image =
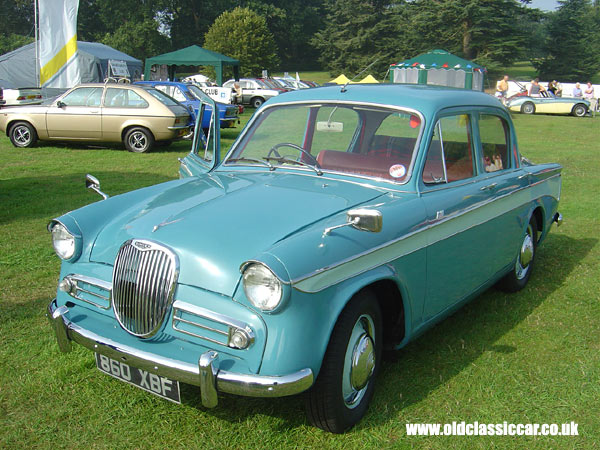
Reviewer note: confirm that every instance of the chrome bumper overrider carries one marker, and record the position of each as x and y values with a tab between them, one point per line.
558	218
206	374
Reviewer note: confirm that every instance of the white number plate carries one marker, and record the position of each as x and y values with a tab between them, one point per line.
161	386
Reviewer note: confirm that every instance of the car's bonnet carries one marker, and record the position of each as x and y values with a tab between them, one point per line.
216	223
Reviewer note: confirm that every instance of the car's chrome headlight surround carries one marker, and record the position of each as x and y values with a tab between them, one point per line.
262	287
66	242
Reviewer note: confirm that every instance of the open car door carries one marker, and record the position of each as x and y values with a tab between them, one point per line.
205	153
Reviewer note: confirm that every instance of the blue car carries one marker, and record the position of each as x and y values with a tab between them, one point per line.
344	221
190	95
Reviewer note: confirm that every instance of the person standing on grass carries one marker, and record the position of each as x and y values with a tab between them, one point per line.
577	91
502	88
589	96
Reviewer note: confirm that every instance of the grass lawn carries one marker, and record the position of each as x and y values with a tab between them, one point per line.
530	357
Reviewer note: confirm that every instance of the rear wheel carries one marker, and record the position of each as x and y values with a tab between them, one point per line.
517	278
257	102
579	110
528	108
22	134
138	140
345	385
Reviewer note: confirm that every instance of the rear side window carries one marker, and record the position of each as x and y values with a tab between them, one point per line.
450	153
493	131
123	98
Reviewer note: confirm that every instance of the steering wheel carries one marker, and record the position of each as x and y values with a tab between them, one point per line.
273	150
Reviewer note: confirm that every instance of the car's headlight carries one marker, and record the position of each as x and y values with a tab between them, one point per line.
63	241
263	289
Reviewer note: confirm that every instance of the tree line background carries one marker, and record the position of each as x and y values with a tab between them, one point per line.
338	35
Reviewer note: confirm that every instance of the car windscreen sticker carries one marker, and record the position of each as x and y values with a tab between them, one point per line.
397	171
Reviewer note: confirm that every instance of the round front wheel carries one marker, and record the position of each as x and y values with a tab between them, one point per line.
257	102
528	108
579	110
345	385
517	278
139	140
22	134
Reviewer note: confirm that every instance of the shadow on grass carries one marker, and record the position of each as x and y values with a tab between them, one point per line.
159	147
46	197
412	373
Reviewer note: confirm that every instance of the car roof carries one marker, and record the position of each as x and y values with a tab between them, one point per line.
426	99
112	85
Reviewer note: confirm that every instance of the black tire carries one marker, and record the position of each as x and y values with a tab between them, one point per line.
257	102
341	395
22	135
528	108
138	140
579	110
518	277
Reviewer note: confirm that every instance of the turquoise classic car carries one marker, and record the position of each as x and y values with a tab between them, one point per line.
349	220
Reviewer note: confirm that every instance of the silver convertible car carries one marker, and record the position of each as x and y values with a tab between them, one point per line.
344	220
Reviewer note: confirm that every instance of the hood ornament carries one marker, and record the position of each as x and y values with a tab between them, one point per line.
165	223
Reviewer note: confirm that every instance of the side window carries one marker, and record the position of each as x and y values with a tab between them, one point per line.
494	134
449	157
178	94
85	96
123	98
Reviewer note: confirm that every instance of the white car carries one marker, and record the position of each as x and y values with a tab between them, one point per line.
11	96
253	92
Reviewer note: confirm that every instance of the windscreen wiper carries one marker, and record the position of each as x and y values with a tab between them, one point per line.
260	161
282	159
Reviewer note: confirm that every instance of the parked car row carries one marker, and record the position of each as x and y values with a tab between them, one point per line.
350	220
255	91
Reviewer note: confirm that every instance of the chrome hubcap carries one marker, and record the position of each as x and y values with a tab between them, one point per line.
138	141
359	361
525	255
363	362
21	135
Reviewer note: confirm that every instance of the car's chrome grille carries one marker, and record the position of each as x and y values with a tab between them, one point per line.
144	277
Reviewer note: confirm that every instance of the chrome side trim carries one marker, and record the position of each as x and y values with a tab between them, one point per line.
424	228
249	385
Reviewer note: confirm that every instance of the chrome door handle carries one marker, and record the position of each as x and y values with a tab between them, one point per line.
520	177
488	187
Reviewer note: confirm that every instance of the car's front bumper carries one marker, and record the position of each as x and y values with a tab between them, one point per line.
206	374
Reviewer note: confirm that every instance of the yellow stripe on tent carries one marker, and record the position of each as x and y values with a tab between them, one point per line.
60	59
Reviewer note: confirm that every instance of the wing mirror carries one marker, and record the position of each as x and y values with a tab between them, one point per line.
91	182
362	219
60	104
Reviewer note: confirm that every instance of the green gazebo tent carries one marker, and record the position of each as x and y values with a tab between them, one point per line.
194	55
440	68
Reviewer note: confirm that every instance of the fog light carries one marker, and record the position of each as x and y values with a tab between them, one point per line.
239	339
66	285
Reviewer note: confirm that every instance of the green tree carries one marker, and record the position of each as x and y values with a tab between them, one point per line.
573	45
139	39
243	34
17	24
486	31
357	33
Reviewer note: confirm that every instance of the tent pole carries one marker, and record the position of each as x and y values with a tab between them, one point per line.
37	56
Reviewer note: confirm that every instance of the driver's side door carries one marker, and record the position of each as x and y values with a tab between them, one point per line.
206	148
77	115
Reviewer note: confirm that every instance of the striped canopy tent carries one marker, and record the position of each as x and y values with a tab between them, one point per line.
440	68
